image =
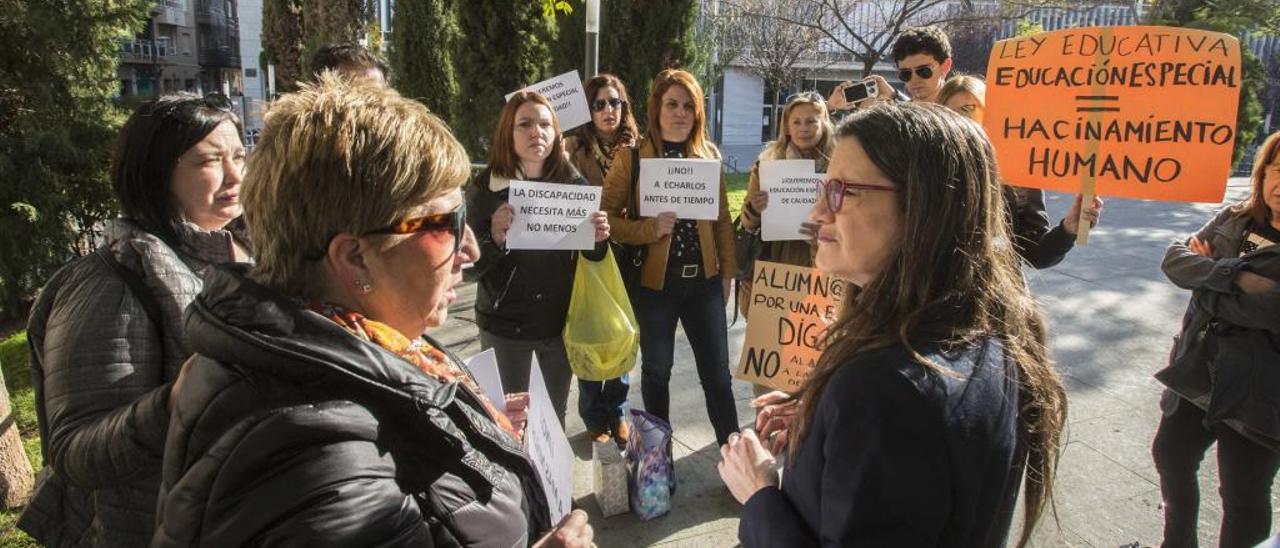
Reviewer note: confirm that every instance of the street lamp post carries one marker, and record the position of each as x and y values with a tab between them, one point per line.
593	38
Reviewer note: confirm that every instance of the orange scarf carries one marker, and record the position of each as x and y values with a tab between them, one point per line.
429	359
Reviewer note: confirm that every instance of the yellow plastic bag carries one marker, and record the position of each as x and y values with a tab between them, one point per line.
601	335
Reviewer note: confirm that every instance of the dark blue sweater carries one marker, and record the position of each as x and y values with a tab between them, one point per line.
901	456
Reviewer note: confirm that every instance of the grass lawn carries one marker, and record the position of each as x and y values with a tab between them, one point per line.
13	360
737	188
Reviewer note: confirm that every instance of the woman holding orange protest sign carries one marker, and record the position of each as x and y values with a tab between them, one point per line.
1222	376
1039	245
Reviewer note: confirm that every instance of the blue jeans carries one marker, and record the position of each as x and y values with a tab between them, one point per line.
602	404
698	304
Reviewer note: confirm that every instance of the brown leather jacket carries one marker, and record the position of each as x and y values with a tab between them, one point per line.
715	237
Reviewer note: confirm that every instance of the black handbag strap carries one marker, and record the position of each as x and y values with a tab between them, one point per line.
136	286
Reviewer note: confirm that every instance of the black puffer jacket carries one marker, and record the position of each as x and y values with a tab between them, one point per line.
289	431
102	370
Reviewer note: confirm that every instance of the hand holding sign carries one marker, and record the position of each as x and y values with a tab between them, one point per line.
500	224
688	187
1134	111
792	187
555	216
1075	216
666	223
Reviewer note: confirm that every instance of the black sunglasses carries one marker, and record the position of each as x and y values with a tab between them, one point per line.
600	104
454	221
923	71
216	101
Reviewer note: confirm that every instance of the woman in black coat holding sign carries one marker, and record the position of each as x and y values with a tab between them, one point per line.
523	295
687	266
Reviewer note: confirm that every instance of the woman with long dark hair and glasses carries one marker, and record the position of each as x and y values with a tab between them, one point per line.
592	149
522	300
106	333
934	398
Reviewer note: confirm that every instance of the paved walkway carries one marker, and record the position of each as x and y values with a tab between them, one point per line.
1113	315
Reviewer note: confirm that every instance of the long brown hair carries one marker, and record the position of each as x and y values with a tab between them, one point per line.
1255	206
625	135
699	145
955	278
503	160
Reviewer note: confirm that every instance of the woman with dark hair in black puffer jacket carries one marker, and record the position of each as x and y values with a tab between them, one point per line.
106	332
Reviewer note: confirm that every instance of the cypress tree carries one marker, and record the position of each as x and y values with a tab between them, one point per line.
331	22
425	33
58	122
503	47
640	38
282	40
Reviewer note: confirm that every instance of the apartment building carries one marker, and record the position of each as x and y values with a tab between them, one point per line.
187	45
164	57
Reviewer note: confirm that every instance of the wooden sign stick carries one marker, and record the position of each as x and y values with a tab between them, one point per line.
1088	180
1082	233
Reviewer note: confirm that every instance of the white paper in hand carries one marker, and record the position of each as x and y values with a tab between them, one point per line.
552	216
548	447
484	369
793	189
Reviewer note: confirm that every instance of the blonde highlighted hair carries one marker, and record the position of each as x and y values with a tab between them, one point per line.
777	149
340	157
971	84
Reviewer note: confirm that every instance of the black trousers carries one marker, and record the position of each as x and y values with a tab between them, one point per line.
1245	473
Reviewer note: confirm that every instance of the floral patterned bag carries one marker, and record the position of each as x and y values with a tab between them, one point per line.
651	473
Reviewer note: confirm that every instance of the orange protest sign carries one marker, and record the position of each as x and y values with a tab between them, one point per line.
791	307
1140	112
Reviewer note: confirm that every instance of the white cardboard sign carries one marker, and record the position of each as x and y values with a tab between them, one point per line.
793	189
544	438
552	216
690	187
484	368
548	447
567	98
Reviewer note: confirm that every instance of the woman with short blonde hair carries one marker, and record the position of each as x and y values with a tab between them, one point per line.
316	395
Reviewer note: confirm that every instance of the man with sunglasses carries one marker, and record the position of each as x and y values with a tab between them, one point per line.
923	55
